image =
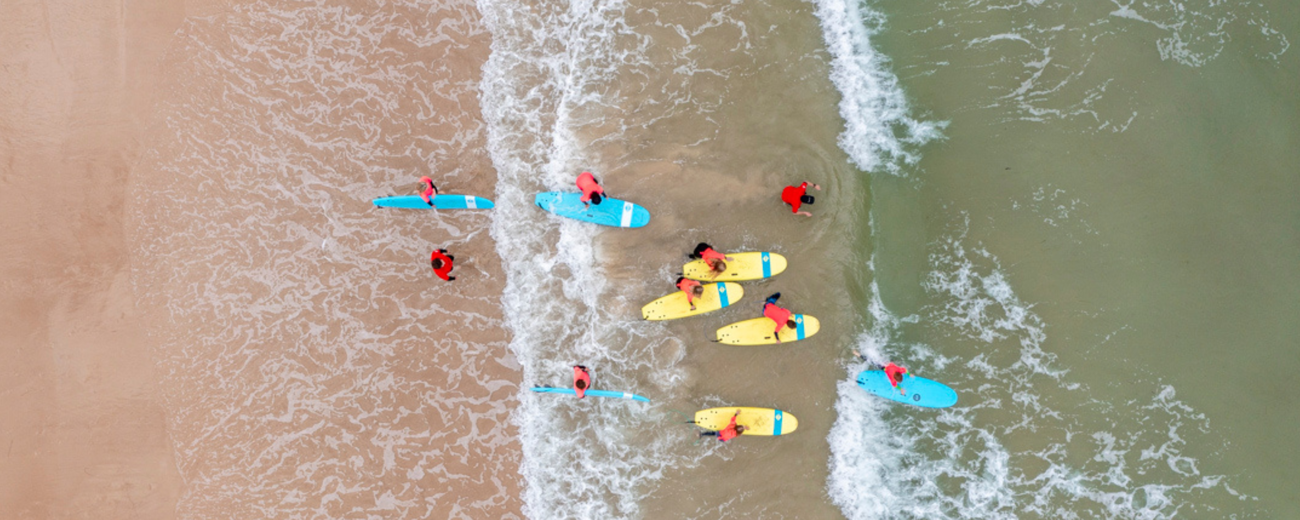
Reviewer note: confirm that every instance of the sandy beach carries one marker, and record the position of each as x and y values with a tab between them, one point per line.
114	402
80	419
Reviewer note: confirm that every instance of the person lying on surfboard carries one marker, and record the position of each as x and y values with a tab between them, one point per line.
591	190
777	314
441	262
798	195
732	430
714	259
581	380
427	190
893	372
692	288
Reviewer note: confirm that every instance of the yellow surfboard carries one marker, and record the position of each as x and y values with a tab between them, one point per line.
673	306
757	421
759	331
746	266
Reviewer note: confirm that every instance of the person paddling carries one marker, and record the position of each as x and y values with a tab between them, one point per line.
732	430
428	191
894	372
441	262
778	315
716	261
591	189
692	288
796	196
581	380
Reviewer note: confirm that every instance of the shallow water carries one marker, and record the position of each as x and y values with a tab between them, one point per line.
1080	217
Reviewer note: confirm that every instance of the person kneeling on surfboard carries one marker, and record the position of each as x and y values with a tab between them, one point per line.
591	190
732	430
428	190
777	314
895	374
798	195
892	371
692	288
581	380
714	259
441	262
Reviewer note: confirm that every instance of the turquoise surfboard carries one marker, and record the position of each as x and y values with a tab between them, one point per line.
610	212
592	393
439	202
920	391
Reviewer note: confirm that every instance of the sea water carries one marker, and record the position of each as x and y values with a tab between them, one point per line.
1080	217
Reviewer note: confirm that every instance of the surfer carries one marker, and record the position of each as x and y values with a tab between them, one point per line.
716	261
692	288
777	314
591	189
798	195
893	372
428	190
732	430
581	380
441	262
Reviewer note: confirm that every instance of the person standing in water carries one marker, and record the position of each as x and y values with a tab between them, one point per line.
716	261
796	196
732	430
894	372
428	191
692	288
581	380
778	315
441	262
591	189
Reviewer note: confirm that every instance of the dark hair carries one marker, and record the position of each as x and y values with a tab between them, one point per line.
699	250
595	198
791	324
740	428
807	199
581	384
718	266
437	263
698	289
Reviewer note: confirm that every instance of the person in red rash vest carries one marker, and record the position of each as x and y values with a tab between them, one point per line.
778	315
441	262
732	430
428	190
894	372
714	259
591	189
692	288
581	380
796	196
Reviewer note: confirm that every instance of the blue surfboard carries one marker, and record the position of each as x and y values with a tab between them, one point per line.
593	393
610	212
439	201
920	391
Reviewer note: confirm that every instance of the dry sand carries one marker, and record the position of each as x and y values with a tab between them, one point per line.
81	425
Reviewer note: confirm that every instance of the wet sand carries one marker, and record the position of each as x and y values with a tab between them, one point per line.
127	398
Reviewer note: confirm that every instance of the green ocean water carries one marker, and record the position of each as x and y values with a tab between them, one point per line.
1132	172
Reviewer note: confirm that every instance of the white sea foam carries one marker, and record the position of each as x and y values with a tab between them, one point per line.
311	365
1021	441
880	133
552	74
